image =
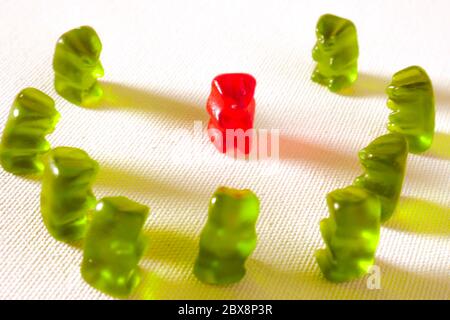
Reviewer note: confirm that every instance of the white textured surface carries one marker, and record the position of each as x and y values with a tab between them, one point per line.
160	57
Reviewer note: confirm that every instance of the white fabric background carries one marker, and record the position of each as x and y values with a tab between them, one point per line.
160	57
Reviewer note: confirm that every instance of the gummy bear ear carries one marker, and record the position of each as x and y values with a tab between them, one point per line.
325	27
237	89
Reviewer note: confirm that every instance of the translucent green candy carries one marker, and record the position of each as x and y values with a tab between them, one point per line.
228	237
66	195
114	245
351	234
77	66
336	53
384	160
412	100
32	117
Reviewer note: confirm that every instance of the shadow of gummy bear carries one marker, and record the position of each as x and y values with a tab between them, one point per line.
420	216
367	85
440	148
121	96
442	96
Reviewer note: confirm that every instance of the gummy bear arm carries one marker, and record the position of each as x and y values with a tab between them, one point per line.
317	53
327	229
343	60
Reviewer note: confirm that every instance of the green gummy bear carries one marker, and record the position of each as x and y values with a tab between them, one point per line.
351	234
32	117
384	161
336	53
228	237
114	245
77	66
412	100
66	196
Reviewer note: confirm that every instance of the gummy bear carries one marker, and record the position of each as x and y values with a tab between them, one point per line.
412	100
228	237
77	66
66	195
114	245
231	107
351	234
336	53
384	160
32	117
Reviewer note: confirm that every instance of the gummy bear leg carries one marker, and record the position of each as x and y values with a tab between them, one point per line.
326	265
107	279
338	83
218	271
91	96
337	271
318	77
68	92
69	231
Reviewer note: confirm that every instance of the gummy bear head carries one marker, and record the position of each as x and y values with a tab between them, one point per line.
333	33
234	209
236	89
385	154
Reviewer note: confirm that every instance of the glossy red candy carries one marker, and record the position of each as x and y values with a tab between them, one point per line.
231	107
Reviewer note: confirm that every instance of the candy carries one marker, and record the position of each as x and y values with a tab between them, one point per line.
412	100
32	117
228	237
351	234
336	53
231	107
114	245
384	160
66	195
77	66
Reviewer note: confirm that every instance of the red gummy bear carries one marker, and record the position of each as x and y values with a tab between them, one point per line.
231	107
